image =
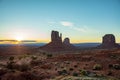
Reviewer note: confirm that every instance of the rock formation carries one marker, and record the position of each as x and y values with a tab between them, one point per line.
109	41
66	41
56	43
55	37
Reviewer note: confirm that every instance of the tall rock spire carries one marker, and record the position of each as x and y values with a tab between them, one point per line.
55	36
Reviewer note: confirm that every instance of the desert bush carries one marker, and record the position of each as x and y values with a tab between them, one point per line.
116	66
33	57
55	69
35	62
97	67
63	72
49	55
84	72
24	67
20	57
62	67
11	58
75	66
113	56
67	62
110	66
75	74
10	65
71	69
44	53
13	66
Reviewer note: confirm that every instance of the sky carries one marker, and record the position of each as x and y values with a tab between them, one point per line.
80	20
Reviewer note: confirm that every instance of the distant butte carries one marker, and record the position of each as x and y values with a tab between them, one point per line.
108	41
67	43
56	43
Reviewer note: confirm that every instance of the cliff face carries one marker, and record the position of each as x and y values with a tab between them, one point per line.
56	43
108	41
66	41
55	37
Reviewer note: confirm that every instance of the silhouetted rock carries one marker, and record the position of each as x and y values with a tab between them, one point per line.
109	39
109	42
56	43
66	41
55	36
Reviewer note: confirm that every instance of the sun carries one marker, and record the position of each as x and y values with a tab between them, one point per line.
19	38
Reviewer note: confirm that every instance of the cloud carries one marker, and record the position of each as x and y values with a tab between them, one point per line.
72	26
80	29
67	24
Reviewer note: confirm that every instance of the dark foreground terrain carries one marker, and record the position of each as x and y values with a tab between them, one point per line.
30	63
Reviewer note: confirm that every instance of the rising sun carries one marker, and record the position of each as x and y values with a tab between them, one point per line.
18	38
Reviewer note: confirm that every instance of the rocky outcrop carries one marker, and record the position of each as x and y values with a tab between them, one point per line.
55	37
108	41
66	41
56	43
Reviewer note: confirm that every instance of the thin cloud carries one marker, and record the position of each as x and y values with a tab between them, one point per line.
80	29
85	29
67	24
72	26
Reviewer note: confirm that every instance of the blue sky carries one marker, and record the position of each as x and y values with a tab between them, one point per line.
80	20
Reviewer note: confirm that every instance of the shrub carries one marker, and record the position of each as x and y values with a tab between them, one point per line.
75	66
84	72
71	69
110	66
34	57
20	57
13	66
75	74
62	67
44	53
24	67
11	58
113	56
49	55
116	66
63	72
97	67
10	65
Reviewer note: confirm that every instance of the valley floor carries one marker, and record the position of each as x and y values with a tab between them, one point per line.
29	64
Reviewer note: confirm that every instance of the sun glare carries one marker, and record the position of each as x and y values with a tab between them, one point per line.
19	38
